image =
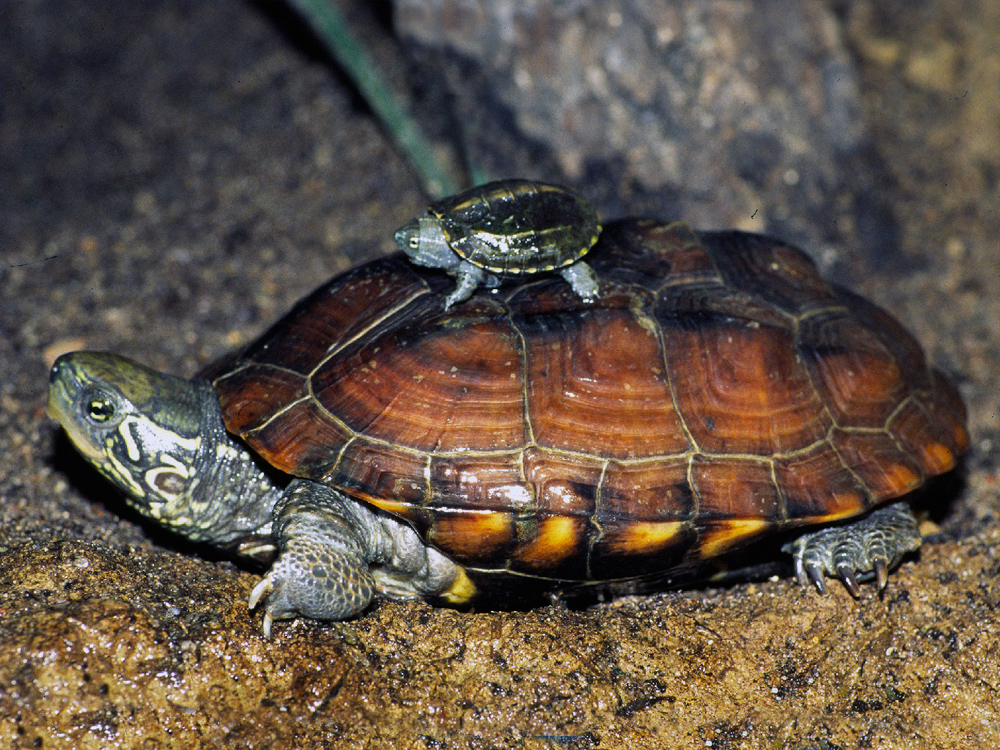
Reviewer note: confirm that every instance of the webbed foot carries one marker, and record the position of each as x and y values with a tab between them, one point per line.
322	570
337	554
311	580
856	552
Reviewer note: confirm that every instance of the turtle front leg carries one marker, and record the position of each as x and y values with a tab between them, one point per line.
321	570
858	551
468	277
337	554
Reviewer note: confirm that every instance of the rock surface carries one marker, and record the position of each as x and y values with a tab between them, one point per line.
174	175
737	114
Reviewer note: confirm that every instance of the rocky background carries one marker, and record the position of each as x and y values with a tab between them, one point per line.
174	175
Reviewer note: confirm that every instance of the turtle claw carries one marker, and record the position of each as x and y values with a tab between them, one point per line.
816	576
846	574
861	551
260	592
809	573
881	573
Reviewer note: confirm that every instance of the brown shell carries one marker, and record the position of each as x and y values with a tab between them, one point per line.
718	390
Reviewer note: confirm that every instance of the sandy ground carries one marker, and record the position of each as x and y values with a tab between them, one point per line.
174	175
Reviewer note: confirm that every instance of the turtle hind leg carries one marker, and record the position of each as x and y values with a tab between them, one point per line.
582	279
860	551
293	588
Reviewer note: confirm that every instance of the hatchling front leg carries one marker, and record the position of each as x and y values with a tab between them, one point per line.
862	550
468	277
337	554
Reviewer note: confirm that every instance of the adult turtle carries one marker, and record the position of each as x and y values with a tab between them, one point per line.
718	391
503	229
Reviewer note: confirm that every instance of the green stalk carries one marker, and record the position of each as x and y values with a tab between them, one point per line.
331	27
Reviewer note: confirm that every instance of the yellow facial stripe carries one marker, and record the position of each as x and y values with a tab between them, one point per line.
128	440
148	459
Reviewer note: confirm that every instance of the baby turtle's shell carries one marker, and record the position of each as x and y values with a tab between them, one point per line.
504	229
518	226
718	391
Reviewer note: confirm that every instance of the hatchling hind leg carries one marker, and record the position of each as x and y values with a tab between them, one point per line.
859	551
582	279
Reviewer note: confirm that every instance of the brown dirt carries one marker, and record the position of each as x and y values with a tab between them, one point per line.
173	175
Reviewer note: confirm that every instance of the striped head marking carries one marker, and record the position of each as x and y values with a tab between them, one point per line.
138	427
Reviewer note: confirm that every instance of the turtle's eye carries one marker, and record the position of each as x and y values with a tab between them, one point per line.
99	409
415	242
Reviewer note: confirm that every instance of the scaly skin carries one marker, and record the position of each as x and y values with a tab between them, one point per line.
160	439
865	548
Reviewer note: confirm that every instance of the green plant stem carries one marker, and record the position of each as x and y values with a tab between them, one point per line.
331	27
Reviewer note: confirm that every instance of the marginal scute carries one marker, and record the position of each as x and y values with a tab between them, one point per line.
878	462
647	491
558	544
380	470
480	483
816	485
641	537
638	548
478	538
935	440
719	536
564	485
937	457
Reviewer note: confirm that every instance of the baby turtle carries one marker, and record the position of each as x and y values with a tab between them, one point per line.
502	229
717	393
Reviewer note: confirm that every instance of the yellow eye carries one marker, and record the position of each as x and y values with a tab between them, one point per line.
99	410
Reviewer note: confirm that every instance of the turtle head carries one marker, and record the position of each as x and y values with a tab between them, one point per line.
424	241
140	428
